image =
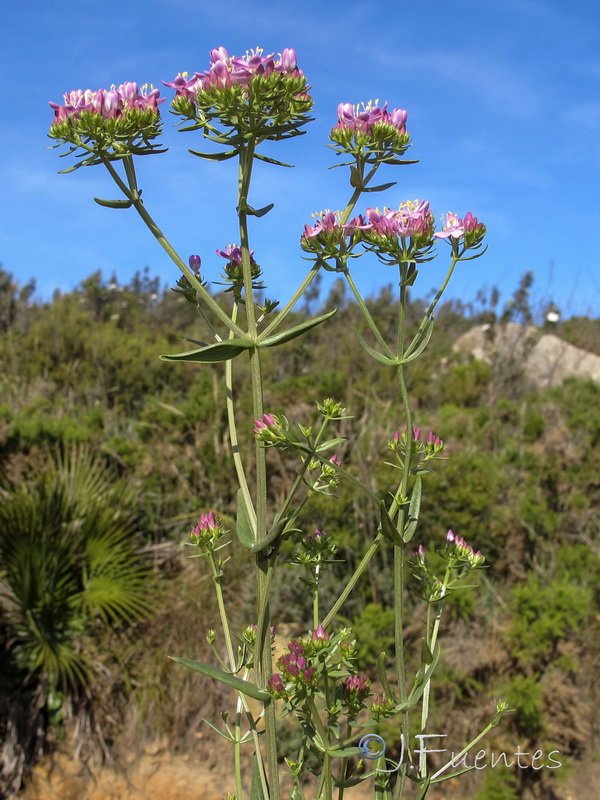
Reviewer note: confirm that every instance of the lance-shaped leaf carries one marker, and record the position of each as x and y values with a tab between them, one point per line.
393	361
272	160
415	348
292	333
113	203
342	752
388	529
215	156
383	678
413	510
356	179
421	681
243	527
259	212
424	788
397	162
213	353
240	685
426	654
256	788
272	537
380	188
331	443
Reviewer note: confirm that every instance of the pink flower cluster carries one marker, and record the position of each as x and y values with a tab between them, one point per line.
108	103
328	224
226	71
208	530
233	254
359	685
294	666
413	218
461	550
267	421
363	120
430	447
455	227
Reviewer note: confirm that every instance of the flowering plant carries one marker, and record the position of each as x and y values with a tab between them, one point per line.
238	103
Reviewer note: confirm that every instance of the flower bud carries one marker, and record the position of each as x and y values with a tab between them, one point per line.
194	262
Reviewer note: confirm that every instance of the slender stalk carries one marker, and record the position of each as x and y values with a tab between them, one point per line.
274	324
431	634
263	655
237	458
399	578
132	194
366	313
232	665
364	562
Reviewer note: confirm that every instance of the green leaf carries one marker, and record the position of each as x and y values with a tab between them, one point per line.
112	203
388	529
243	527
292	333
220	732
413	510
381	188
259	212
245	687
421	682
331	443
424	788
343	752
454	774
272	160
414	349
214	156
213	353
400	161
356	179
383	359
426	654
383	677
271	538
256	788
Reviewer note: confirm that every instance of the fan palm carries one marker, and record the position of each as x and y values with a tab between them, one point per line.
68	564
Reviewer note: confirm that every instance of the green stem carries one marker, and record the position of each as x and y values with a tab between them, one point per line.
353	580
431	638
263	654
281	315
276	322
132	194
235	449
433	304
399	577
366	313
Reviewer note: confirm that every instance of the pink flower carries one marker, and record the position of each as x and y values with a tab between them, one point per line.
107	103
233	254
275	685
328	223
413	218
194	262
226	71
320	635
364	119
455	228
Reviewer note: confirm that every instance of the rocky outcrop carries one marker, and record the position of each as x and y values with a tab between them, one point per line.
547	359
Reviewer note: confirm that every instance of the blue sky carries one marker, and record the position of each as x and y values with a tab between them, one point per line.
504	111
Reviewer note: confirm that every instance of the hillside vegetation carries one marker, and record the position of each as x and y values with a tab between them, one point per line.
108	455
